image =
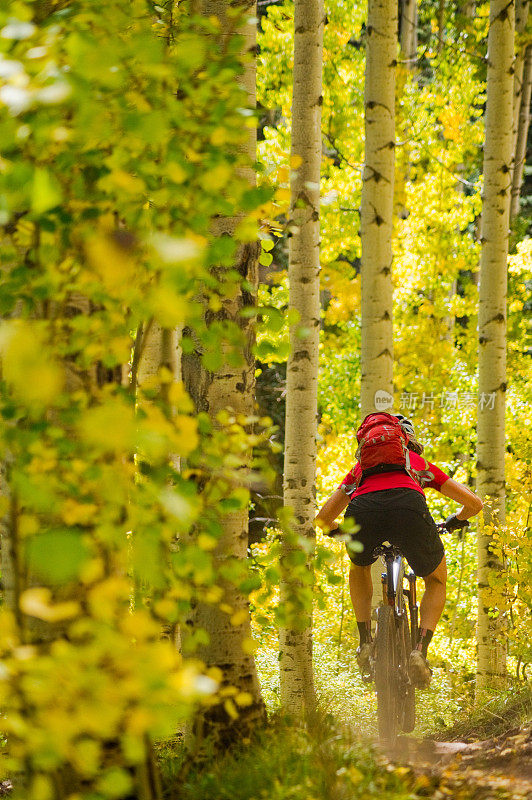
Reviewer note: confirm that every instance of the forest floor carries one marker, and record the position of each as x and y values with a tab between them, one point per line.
500	766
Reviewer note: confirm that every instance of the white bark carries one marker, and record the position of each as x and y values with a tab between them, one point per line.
521	133
377	203
520	88
409	32
492	331
302	370
376	215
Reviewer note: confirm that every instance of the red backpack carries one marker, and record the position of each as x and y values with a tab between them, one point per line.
382	446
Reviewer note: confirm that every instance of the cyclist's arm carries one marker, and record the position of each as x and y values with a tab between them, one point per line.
331	509
471	504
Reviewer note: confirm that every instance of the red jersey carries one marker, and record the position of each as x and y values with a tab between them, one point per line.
430	475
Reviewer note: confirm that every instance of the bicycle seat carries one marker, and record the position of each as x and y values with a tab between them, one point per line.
387	550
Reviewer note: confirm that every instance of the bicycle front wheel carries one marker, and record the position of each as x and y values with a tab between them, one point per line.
407	703
385	674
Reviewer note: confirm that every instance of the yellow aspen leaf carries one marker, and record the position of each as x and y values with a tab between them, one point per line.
216	178
186	437
283	175
175	172
296	161
246	231
231	709
228	691
34	377
215	674
124	180
91	571
219	136
46	191
8	628
139	625
207	542
109	427
168	307
116	782
355	775
85	755
28	525
74	513
138	721
114	265
42	788
226	608
243	699
179	398
165	608
402	771
108	597
213	594
249	646
36	602
239	617
282	195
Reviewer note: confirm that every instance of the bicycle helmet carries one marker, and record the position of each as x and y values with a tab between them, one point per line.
408	428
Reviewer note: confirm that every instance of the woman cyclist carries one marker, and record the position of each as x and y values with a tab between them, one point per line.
391	506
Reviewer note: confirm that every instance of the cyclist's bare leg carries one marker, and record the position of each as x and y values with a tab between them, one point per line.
433	601
361	591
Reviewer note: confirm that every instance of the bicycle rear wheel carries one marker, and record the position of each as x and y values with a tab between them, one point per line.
385	673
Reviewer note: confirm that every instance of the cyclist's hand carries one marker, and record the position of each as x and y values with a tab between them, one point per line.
452	523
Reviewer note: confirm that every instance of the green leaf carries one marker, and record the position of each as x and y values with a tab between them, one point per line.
46	192
265	259
57	555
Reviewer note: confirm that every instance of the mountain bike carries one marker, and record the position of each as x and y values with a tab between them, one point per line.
397	630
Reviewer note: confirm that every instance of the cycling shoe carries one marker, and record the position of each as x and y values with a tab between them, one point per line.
364	656
419	670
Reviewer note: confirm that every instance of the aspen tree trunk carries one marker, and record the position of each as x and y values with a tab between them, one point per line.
523	125
230	388
521	113
466	8
376	218
406	68
491	666
377	204
408	27
297	686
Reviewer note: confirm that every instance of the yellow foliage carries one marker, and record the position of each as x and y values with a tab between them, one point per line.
74	513
107	599
239	617
27	364
110	427
231	709
36	602
114	265
243	699
185	438
249	646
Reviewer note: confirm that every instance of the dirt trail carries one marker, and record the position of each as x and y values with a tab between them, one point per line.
498	767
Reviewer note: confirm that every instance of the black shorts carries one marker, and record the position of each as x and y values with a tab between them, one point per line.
401	517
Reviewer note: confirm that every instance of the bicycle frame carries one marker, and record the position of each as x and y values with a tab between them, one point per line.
392	579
